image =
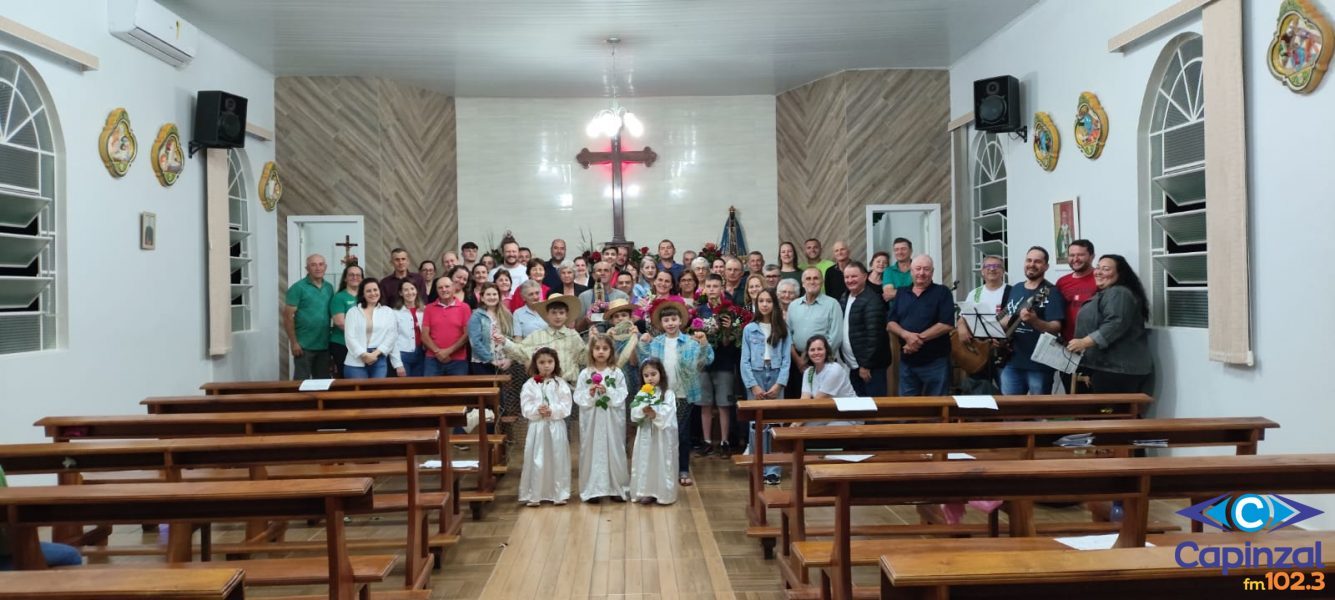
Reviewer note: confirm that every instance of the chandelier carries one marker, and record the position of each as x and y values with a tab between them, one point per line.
609	122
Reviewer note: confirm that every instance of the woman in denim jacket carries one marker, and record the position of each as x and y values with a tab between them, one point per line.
766	354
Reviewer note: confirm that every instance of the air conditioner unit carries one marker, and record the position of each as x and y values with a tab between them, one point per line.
148	26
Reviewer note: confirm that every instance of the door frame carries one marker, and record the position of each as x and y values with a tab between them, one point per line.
295	260
934	219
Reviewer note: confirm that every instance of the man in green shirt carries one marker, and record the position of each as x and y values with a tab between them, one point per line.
813	249
306	319
898	274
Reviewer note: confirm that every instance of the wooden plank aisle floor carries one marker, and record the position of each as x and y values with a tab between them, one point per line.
695	549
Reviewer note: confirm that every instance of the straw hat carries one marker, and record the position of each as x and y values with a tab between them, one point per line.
616	306
571	303
655	316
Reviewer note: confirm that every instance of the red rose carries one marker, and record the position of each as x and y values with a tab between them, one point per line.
537	378
644	250
596	256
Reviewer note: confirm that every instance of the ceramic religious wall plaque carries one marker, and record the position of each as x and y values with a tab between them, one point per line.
1047	141
271	187
168	155
1091	125
117	144
1298	54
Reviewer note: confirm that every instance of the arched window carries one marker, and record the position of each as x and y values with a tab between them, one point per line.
30	198
989	203
242	240
1175	213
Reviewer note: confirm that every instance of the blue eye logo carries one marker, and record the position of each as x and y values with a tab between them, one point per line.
1249	512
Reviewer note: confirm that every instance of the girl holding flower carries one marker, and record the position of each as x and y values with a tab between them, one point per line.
655	460
600	392
546	402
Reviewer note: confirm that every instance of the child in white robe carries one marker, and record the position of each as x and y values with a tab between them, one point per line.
600	392
653	473
545	401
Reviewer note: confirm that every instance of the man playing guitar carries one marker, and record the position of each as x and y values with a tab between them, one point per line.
975	356
1039	309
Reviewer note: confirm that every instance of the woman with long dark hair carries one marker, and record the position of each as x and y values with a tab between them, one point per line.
345	299
1110	331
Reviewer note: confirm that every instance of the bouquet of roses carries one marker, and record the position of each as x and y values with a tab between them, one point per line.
710	251
597	379
598	308
725	326
647	397
638	254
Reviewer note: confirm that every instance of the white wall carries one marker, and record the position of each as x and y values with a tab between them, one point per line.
713	152
134	321
1057	50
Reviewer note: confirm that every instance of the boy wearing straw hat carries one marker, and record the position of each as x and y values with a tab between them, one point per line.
557	310
684	358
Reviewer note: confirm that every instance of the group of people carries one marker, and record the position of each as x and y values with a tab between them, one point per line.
707	331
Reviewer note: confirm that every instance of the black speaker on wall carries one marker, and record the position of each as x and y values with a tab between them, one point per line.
220	121
996	105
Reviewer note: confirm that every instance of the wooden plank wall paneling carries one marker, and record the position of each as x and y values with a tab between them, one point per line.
372	147
858	138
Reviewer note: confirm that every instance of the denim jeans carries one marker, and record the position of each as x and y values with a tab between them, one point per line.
765	379
375	370
876	386
1020	382
56	555
435	368
931	379
412	362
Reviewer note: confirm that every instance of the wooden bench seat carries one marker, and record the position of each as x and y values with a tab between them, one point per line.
281	571
140	583
445	381
1132	480
406	398
1143	573
374	595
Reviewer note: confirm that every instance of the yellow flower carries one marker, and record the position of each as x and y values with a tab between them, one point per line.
647	389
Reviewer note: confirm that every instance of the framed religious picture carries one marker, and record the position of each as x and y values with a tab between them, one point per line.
1091	125
1047	141
117	144
148	231
1065	227
1298	54
271	186
168	155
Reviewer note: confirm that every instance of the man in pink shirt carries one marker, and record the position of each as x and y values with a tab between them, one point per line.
445	333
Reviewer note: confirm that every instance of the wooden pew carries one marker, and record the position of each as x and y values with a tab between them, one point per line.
250	423
1019	440
217	583
478	398
1132	480
27	508
387	383
258	454
939	409
1142	573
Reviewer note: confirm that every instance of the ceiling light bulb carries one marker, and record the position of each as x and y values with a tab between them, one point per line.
633	124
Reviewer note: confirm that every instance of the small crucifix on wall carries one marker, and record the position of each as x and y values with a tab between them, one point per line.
617	158
347	246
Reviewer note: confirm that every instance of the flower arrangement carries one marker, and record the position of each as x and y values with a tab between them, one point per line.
598	308
710	251
725	325
596	379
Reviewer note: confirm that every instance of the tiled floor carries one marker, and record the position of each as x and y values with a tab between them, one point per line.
696	548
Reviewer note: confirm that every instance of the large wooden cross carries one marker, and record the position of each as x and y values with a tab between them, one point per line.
347	246
617	158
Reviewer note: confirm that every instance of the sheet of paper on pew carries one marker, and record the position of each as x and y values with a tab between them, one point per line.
987	402
859	404
1075	440
458	464
848	457
959	456
316	385
1092	542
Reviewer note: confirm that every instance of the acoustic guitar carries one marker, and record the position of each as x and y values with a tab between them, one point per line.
971	356
1005	350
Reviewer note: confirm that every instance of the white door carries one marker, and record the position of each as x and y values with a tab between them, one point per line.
918	223
324	235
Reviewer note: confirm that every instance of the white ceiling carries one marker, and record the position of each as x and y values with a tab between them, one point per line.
554	48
